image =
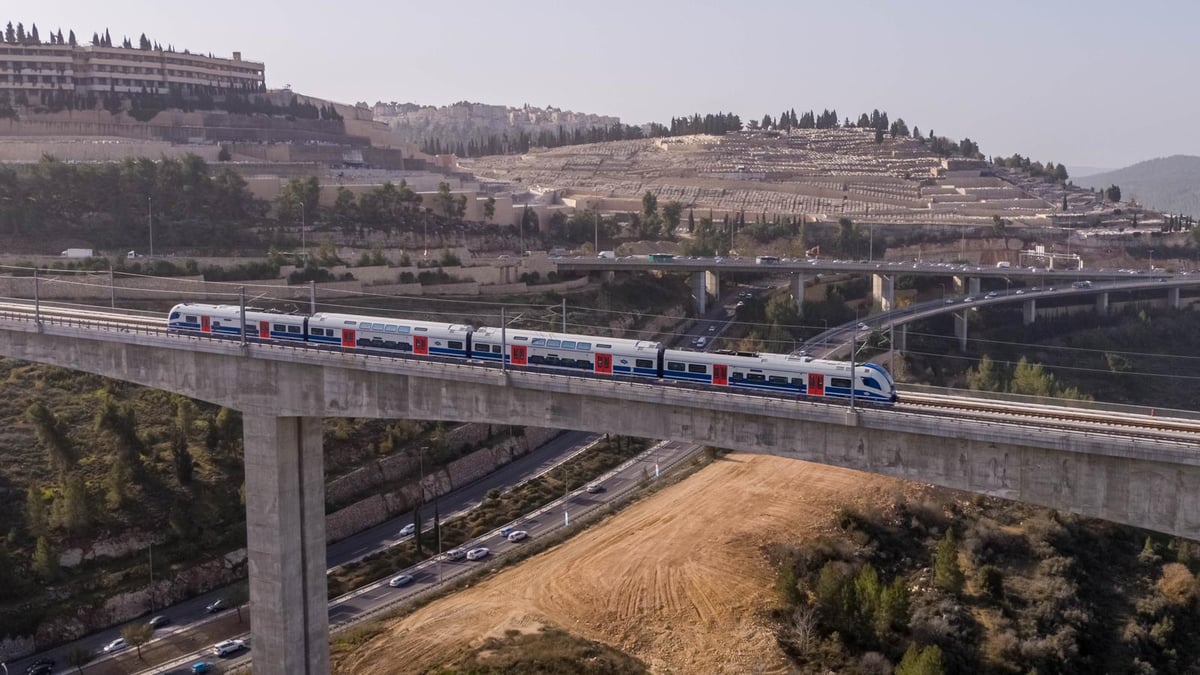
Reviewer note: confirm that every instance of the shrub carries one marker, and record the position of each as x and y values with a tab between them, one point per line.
1177	584
917	661
991	581
946	573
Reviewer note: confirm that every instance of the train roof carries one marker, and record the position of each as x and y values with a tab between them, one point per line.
757	359
493	333
365	318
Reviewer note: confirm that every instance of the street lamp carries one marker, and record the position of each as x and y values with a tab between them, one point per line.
150	222
303	239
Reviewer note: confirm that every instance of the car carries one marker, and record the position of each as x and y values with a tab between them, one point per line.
740	304
969	299
1020	291
158	621
505	531
200	667
400	580
990	295
408	530
40	667
478	553
712	329
1034	289
115	646
1051	289
454	554
215	606
593	488
227	647
863	326
517	535
948	301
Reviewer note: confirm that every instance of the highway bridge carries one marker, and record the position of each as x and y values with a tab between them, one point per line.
1112	464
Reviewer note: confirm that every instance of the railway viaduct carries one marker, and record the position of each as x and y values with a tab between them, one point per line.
284	392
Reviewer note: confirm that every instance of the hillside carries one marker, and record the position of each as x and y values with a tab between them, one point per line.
1170	184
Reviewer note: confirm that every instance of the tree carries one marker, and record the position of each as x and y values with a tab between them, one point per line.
1031	379
671	213
45	561
649	204
1113	193
137	634
71	509
879	136
917	661
893	607
36	518
946	572
984	376
10	36
223	155
71	40
78	657
52	436
120	478
489	208
33	35
443	200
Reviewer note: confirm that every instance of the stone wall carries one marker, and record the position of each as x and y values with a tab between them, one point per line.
111	548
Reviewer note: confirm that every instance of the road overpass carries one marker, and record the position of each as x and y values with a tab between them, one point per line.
1125	468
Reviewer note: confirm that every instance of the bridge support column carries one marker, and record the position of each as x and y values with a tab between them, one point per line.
712	284
973	285
285	534
883	291
902	338
1029	312
960	329
1102	304
699	290
1173	297
798	293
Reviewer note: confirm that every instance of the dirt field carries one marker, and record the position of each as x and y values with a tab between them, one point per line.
678	580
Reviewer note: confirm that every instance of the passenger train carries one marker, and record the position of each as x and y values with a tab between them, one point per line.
571	354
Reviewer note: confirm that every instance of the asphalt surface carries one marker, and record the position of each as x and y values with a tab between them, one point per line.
191	612
378	596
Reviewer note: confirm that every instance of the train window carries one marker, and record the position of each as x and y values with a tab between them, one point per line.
190	319
496	349
870	382
391	329
677	367
839	382
798	381
293	329
454	344
756	377
251	327
349	323
739	376
583	346
521	338
553	344
421	329
483	348
697	368
777	379
174	315
316	331
279	328
643	363
404	330
603	346
568	345
539	342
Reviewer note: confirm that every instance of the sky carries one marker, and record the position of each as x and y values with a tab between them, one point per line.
1097	83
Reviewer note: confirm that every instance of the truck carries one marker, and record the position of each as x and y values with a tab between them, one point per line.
1003	264
78	253
608	255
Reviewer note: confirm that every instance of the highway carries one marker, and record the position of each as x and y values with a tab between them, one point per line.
379	597
191	613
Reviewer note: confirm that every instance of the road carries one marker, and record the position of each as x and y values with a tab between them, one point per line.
191	613
378	597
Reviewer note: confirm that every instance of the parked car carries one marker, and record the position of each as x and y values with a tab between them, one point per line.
158	621
401	580
227	647
478	553
115	646
517	535
408	530
215	606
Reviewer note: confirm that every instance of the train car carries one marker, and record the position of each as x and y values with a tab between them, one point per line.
389	335
222	321
779	373
586	353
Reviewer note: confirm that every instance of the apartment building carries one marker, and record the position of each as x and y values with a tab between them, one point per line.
33	69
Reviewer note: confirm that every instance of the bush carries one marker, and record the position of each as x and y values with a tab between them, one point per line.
991	581
1177	584
946	573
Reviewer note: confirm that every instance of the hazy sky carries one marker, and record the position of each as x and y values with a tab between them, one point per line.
1083	82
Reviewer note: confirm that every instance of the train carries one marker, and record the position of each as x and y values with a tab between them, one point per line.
570	354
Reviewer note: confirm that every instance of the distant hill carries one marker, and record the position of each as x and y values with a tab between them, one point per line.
1083	171
1170	184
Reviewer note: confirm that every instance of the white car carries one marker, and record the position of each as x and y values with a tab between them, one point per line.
401	580
517	535
407	530
863	326
478	553
593	488
227	647
454	554
115	646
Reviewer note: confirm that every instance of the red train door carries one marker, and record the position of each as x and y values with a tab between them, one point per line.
421	345
604	364
264	329
520	355
720	374
816	385
347	337
205	324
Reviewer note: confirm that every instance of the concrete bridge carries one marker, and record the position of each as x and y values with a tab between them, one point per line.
1136	475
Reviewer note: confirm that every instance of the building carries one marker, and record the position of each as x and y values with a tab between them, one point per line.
29	70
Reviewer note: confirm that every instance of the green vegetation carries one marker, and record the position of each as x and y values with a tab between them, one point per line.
549	651
495	511
940	585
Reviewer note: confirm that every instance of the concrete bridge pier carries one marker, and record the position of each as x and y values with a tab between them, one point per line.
285	535
700	292
883	291
1029	312
902	338
798	293
968	285
1102	304
1173	297
960	329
